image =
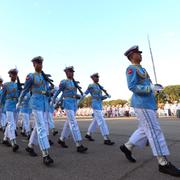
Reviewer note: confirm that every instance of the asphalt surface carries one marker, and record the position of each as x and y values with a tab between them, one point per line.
101	162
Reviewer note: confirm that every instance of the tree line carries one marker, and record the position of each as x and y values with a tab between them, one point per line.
87	102
170	93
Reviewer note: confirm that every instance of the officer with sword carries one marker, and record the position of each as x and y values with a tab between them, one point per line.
144	103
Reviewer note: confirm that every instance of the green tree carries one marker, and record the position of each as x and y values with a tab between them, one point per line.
86	102
115	102
169	93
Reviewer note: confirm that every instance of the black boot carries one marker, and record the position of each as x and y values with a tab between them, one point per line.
23	134
147	143
31	151
55	132
28	137
47	160
89	137
127	153
108	142
15	147
4	130
50	142
81	149
62	143
6	143
169	169
16	134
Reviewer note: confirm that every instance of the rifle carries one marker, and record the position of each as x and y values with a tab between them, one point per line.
102	89
19	84
77	86
59	103
46	78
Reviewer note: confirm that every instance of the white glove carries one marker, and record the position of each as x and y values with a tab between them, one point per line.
156	87
17	105
51	103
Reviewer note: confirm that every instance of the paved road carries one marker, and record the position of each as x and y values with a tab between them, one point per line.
100	163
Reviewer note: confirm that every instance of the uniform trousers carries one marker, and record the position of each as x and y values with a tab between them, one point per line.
149	129
71	125
11	125
51	120
26	122
39	132
2	118
98	120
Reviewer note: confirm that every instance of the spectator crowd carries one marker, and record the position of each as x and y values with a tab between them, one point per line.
110	111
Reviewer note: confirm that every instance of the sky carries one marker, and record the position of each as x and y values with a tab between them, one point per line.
91	35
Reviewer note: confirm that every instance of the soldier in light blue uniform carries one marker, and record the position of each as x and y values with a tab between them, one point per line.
36	83
46	111
26	111
2	109
70	96
50	113
144	103
10	93
98	116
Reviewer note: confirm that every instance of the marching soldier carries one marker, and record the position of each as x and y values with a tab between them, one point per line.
144	103
95	90
10	93
50	114
46	112
2	110
69	87
36	83
26	111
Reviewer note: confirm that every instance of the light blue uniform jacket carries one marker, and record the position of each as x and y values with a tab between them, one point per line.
140	84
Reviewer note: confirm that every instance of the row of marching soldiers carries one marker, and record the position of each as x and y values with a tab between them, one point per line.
38	84
38	97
